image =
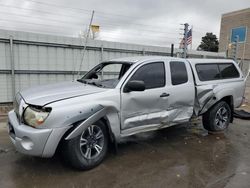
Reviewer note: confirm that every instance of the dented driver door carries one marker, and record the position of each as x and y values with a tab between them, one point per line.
145	109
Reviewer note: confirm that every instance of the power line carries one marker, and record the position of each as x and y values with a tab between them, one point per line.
46	12
142	31
129	22
84	24
113	34
42	18
37	11
99	17
132	24
137	41
89	11
142	35
103	14
18	21
33	30
149	41
106	23
79	9
61	6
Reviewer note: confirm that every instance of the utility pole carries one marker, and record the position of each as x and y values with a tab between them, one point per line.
235	48
185	40
172	50
12	63
85	44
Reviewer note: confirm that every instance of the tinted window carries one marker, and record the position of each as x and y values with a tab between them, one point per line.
178	73
208	72
228	71
152	74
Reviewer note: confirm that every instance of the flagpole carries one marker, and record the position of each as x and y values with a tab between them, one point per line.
191	45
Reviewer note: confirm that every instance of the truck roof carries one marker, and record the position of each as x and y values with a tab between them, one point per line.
195	61
136	59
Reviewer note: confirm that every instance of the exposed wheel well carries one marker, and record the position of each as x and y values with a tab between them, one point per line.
230	102
112	140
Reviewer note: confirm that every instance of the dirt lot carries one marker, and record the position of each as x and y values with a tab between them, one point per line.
181	156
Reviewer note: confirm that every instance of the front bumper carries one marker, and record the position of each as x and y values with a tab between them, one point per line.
32	141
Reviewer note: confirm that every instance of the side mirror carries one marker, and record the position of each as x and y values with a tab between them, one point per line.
134	85
93	76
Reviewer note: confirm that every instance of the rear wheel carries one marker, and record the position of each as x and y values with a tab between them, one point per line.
88	149
217	118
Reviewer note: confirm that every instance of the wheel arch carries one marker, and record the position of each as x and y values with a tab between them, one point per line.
111	135
108	115
230	101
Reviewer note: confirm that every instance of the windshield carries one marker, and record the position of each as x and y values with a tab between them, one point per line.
106	74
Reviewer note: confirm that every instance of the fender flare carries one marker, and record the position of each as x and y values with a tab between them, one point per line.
99	115
93	118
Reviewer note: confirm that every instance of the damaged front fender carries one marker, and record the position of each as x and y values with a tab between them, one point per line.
92	119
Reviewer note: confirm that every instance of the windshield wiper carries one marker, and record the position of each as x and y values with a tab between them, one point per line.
98	84
82	81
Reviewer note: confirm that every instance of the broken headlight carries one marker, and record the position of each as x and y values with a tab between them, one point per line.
35	116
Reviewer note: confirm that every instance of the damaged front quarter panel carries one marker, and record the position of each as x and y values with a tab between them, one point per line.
90	120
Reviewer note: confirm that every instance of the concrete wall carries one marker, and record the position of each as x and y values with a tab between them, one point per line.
41	59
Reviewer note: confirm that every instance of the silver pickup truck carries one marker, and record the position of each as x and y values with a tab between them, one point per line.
122	97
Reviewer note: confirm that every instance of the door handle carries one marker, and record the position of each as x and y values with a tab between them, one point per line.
164	95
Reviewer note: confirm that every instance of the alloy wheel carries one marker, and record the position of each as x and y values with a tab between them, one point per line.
221	118
92	142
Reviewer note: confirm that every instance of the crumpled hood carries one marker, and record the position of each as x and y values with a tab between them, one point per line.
42	95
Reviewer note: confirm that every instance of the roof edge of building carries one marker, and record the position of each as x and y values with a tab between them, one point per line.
247	10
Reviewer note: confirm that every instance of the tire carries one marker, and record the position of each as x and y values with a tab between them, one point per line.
87	150
217	118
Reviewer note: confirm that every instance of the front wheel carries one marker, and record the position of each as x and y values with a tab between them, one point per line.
217	118
88	149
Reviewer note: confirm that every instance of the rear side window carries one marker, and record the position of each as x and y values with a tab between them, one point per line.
228	71
216	71
208	72
152	74
178	72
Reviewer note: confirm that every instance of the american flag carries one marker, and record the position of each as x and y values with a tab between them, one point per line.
189	39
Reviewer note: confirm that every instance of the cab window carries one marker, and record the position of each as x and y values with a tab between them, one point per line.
153	75
178	72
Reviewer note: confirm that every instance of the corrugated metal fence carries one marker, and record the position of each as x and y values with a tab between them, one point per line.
28	59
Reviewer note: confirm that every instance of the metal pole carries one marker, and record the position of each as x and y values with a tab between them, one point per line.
102	53
185	40
235	49
243	55
12	63
191	45
143	52
86	42
172	50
